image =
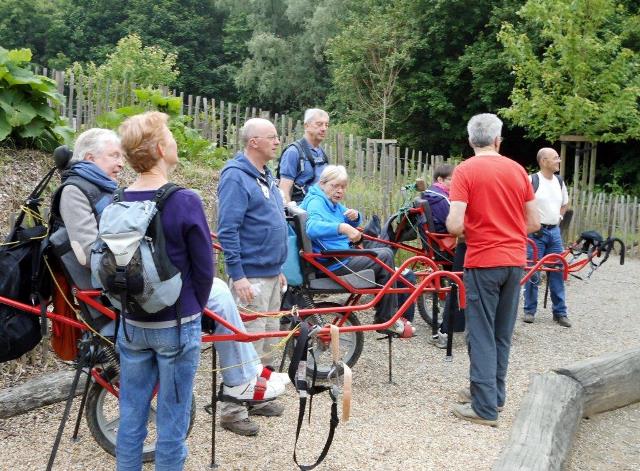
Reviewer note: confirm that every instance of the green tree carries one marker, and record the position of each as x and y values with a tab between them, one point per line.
582	80
367	59
144	65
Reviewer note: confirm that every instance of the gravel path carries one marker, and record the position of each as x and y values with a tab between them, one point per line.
406	425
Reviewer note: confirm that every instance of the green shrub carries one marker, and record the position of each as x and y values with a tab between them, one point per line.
191	145
27	104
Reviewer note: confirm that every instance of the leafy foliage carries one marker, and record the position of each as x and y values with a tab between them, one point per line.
27	115
367	58
582	80
146	66
191	145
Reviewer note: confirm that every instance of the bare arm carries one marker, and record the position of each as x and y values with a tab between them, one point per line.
532	216
286	186
455	220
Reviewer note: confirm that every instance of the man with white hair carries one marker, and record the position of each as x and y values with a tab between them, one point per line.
303	161
253	233
493	205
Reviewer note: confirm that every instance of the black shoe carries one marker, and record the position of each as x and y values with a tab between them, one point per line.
563	321
242	427
269	409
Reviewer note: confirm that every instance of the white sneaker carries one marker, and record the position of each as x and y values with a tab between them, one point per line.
271	375
256	390
439	340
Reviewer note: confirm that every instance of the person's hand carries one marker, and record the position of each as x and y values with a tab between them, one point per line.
351	232
351	214
243	290
283	282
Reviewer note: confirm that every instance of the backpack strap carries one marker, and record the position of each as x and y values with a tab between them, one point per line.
163	193
535	181
119	195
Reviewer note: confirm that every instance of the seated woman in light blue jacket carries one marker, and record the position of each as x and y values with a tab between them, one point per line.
332	226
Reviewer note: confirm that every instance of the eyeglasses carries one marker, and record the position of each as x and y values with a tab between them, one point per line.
273	137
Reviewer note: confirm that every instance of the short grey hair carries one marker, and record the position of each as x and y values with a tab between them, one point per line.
312	113
483	129
92	142
248	130
332	173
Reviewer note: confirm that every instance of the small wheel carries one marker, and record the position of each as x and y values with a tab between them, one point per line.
351	343
103	418
424	304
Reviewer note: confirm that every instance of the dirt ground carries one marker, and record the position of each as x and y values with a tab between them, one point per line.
408	424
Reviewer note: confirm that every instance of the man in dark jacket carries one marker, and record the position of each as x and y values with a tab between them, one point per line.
253	232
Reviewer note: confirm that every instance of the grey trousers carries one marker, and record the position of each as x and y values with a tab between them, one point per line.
267	298
492	304
388	305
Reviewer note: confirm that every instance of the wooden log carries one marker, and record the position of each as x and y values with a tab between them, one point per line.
544	428
39	392
609	381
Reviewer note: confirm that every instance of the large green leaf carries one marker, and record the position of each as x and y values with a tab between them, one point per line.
20	76
17	108
64	132
19	55
5	127
46	112
33	129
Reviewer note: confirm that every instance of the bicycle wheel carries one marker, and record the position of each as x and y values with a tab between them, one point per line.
425	308
103	418
351	343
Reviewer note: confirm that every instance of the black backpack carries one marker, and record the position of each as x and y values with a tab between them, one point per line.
304	153
23	277
535	181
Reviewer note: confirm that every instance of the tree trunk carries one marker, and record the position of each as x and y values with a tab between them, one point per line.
543	431
38	392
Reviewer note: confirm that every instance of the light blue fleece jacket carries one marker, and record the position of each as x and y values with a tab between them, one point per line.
251	225
323	223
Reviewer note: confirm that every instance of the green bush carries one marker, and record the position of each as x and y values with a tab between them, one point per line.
27	104
191	145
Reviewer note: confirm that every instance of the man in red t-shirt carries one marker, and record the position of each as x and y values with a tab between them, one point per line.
493	206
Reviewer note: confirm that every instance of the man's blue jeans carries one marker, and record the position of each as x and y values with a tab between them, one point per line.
492	305
154	356
550	241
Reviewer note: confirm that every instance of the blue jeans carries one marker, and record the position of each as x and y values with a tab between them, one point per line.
153	356
242	354
550	241
492	305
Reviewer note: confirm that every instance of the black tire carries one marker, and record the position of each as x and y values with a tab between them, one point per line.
351	343
103	416
424	304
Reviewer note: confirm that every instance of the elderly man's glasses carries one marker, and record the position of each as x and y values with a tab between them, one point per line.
273	137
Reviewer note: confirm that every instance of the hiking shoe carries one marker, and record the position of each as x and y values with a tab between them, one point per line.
466	412
256	390
242	427
270	374
464	397
529	318
270	409
562	320
439	340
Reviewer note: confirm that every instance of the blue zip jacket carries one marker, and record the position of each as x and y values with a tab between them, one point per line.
323	223
251	225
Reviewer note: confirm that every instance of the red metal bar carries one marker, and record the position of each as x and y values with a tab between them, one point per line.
548	263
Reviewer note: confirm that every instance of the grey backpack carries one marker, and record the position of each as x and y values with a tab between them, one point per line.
129	260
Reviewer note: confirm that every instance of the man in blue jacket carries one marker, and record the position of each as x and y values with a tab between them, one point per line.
253	232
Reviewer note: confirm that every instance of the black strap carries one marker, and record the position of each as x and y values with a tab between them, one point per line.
535	181
299	364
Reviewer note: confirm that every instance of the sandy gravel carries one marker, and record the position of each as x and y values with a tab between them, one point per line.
406	425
